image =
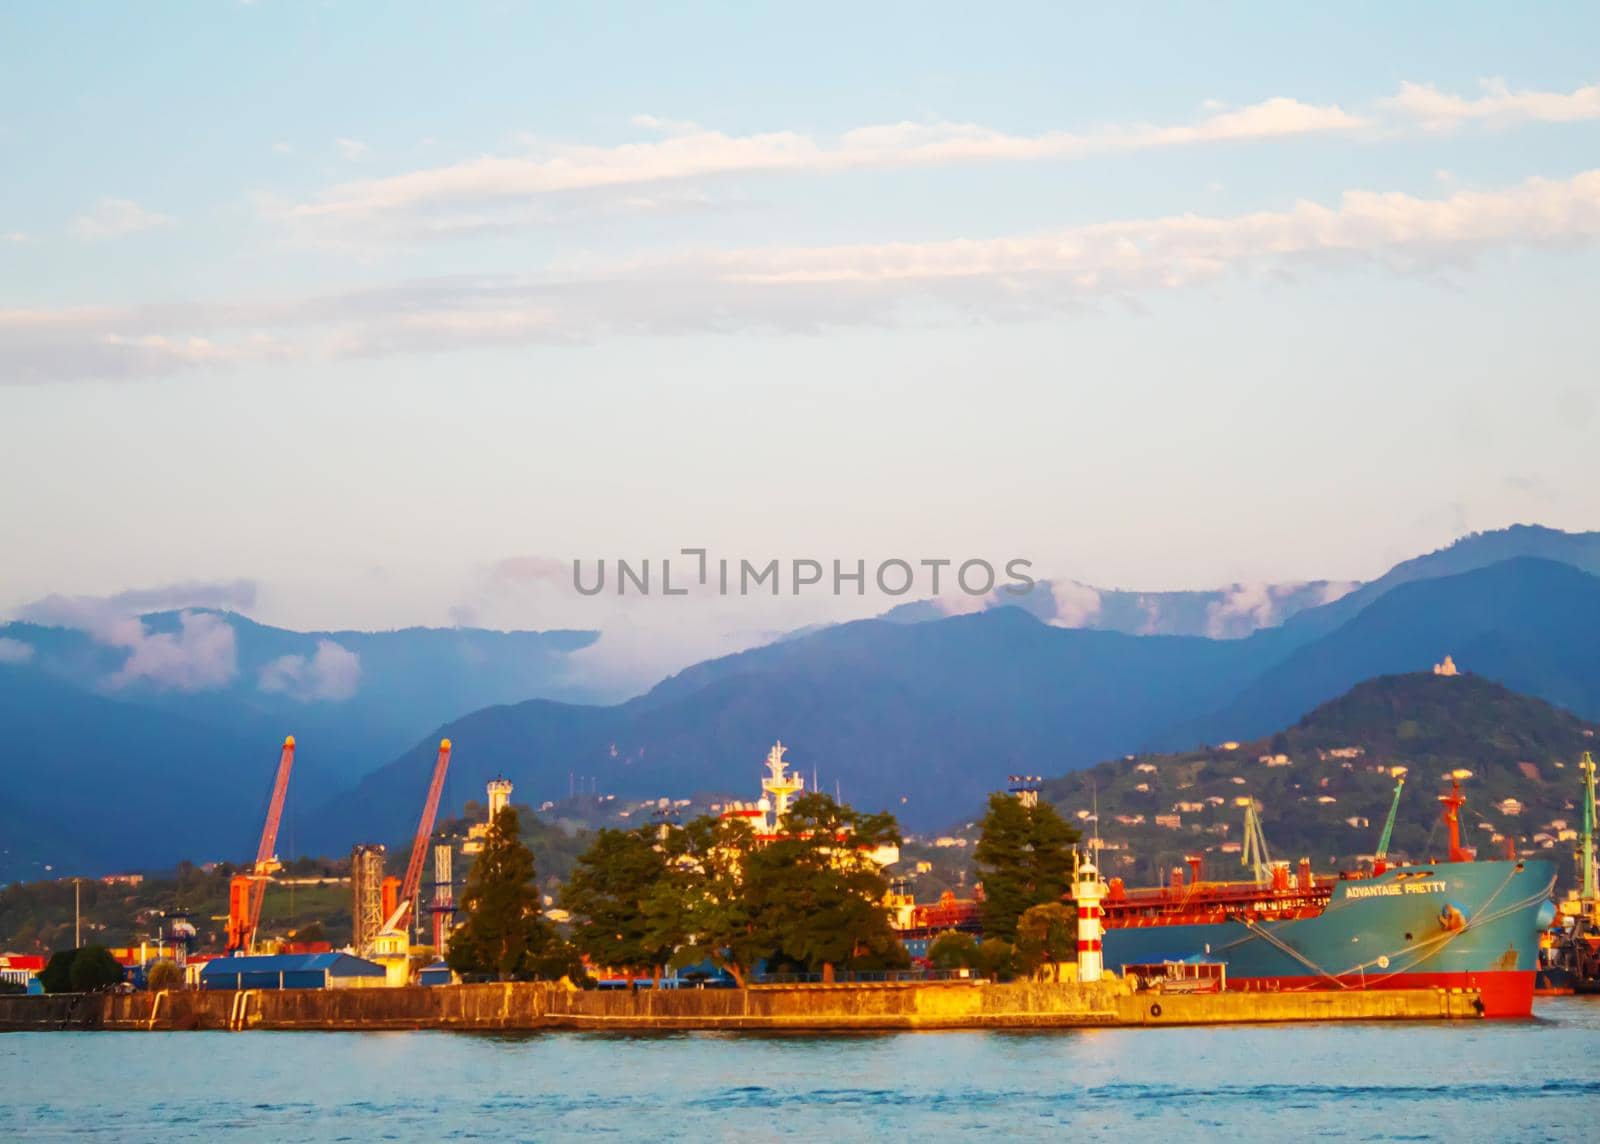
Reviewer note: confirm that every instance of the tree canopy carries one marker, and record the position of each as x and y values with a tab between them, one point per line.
816	894
607	895
505	934
1024	856
94	968
709	890
1047	935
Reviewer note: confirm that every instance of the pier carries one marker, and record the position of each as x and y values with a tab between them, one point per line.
807	1008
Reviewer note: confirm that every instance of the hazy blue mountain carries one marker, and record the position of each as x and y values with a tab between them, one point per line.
918	718
922	719
355	699
1309	608
1581	550
94	785
1533	625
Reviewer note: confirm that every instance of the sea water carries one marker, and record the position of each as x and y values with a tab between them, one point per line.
1493	1080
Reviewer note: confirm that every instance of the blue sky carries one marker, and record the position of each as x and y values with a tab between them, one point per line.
358	303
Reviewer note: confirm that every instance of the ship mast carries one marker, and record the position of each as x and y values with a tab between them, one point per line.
1453	802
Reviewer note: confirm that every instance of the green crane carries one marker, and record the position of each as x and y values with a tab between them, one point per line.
1388	825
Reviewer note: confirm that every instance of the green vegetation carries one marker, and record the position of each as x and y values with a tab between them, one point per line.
163	974
605	895
812	900
1047	935
816	896
505	934
80	970
1024	856
56	976
993	957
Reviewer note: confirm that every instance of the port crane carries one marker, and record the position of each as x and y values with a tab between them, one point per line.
412	885
1254	851
246	891
1380	860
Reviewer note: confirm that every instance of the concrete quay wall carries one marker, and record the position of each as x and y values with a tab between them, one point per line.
794	1008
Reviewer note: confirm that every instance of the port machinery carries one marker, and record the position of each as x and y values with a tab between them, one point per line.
404	908
247	891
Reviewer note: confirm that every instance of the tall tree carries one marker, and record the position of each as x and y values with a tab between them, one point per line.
1024	856
505	933
816	894
703	903
607	895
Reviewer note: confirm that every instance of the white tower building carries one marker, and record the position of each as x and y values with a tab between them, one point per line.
1088	890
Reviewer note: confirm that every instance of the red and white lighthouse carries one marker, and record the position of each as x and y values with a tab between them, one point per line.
1088	890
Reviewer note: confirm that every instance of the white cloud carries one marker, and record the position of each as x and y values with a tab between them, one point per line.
1336	590
332	672
15	651
199	656
15	237
1076	604
492	191
1498	106
803	289
282	148
117	218
351	149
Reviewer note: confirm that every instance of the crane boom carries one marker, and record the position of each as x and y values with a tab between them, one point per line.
1586	840
419	845
245	915
1388	823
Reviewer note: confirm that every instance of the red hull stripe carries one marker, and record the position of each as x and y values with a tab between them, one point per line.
1506	993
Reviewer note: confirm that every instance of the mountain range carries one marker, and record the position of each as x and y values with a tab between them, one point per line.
923	719
919	715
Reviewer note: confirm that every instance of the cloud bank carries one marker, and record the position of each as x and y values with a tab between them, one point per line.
483	193
331	673
200	655
805	289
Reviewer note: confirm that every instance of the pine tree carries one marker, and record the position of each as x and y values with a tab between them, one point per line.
505	934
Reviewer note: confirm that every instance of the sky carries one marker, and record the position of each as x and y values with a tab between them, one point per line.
392	313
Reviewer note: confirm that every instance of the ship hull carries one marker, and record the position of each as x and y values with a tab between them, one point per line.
1462	925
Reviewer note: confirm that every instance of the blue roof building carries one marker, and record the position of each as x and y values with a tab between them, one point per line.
290	971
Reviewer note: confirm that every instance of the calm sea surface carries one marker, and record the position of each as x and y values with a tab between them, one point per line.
1534	1080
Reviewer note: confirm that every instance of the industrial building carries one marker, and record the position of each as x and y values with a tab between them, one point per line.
292	971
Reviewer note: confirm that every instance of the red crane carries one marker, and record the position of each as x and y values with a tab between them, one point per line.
246	891
419	845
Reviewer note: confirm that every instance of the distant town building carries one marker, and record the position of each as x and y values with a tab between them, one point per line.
1169	821
1448	667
